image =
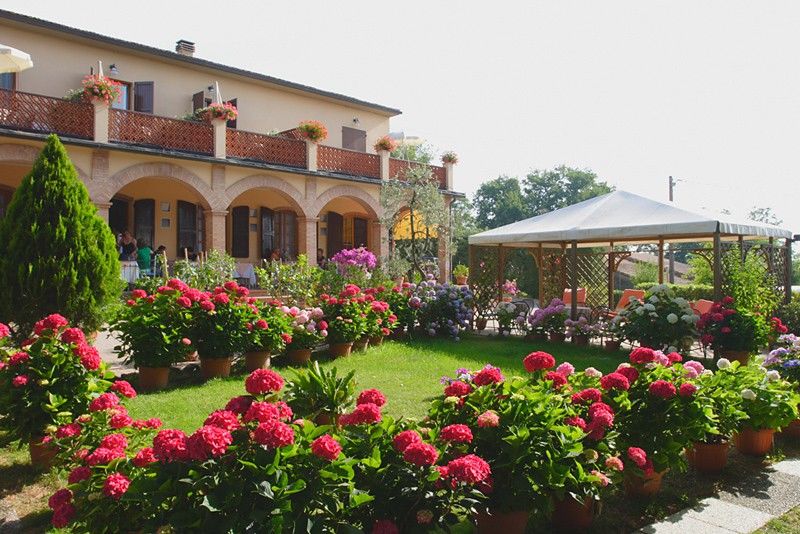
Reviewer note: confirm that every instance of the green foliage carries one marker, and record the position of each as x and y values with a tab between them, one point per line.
548	190
790	314
750	284
700	270
499	202
295	283
56	254
420	152
461	270
644	272
214	270
315	391
687	291
663	321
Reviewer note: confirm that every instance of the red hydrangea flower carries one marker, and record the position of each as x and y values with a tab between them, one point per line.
274	434
52	322
674	357
384	526
285	411
115	442
615	381
487	375
68	431
557	378
363	414
124	388
642	355
120	420
488	419
104	402
456	434
405	438
576	421
587	395
116	485
144	457
421	454
537	361
62	516
208	442
613	462
18	358
598	407
170	446
5	331
184	302
78	474
469	469
371	396
104	456
153	422
207	305
628	372
662	389
687	389
88	355
638	456
261	324
262	412
239	404
62	496
221	298
73	335
602	419
223	419
326	447
457	389
263	381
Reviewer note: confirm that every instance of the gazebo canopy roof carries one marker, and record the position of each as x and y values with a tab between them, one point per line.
621	217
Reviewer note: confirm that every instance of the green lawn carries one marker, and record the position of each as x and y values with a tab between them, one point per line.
407	372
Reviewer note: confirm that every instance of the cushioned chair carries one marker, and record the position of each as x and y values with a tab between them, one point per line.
567	298
701	306
625	299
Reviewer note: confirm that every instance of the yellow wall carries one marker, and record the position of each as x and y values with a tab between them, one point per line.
61	61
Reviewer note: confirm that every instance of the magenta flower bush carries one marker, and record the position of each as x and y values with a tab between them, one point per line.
354	257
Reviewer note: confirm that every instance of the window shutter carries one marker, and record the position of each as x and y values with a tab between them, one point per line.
198	101
354	139
359	232
267	232
335	233
187	228
143	97
240	227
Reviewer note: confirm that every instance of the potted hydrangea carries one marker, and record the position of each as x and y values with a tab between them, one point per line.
733	334
785	358
346	318
506	313
661	321
307	330
581	330
380	319
550	320
442	309
268	333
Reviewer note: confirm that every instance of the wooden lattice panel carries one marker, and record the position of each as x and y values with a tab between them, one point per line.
265	148
345	161
37	113
552	277
161	132
483	278
593	275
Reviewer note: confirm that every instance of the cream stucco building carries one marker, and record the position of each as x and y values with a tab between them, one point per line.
246	187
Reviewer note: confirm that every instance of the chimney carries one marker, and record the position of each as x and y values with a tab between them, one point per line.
185	48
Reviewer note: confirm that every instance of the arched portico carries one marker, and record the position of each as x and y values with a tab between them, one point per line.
348	217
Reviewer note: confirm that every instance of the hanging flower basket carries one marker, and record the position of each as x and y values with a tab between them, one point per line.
385	143
450	157
100	89
226	112
313	131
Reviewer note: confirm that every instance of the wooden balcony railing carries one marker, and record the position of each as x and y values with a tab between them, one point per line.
350	162
45	114
265	148
160	132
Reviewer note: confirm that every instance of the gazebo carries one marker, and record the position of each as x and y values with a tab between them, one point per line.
582	246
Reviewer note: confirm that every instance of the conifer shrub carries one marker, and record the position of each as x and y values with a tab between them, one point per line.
56	254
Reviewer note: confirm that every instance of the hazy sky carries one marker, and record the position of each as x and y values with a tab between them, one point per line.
707	91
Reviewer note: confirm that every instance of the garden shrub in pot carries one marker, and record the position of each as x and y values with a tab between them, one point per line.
268	332
442	309
732	333
661	321
308	329
346	316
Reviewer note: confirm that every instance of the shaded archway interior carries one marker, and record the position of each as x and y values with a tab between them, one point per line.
262	224
346	222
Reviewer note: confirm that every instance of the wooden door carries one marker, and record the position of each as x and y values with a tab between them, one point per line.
240	232
187	228
118	215
267	232
335	233
360	238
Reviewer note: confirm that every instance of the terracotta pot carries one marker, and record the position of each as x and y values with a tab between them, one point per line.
643	486
153	378
502	523
480	324
256	360
557	337
42	454
792	430
360	345
754	442
215	367
376	341
708	457
299	356
570	515
580	339
741	356
461	280
339	350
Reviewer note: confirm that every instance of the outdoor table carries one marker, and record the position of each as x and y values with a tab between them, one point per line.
130	271
247	272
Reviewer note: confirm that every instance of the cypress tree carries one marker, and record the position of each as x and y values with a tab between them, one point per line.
56	254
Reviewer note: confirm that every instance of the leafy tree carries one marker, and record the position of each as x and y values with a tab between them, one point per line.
499	202
548	190
644	272
56	254
764	215
421	152
464	225
796	269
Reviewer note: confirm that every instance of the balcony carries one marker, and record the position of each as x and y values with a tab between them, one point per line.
43	114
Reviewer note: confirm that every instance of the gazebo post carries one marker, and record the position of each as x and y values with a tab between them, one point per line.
501	270
540	267
717	266
611	262
787	271
661	260
573	282
742	252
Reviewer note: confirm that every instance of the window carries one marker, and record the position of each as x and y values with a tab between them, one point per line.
187	228
8	81
353	139
240	232
123	102
143	97
144	221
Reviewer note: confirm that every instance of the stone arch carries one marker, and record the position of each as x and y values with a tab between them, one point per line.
14	153
105	190
263	181
362	197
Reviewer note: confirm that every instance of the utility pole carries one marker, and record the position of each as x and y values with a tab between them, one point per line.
672	183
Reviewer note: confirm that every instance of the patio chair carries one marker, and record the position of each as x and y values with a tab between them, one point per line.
567	297
624	300
701	306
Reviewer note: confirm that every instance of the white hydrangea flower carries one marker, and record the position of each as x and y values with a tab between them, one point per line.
594	373
773	375
680	301
707	372
649	307
748	394
672	349
672	318
640	311
723	363
688	318
654	299
651	365
623	365
653	314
